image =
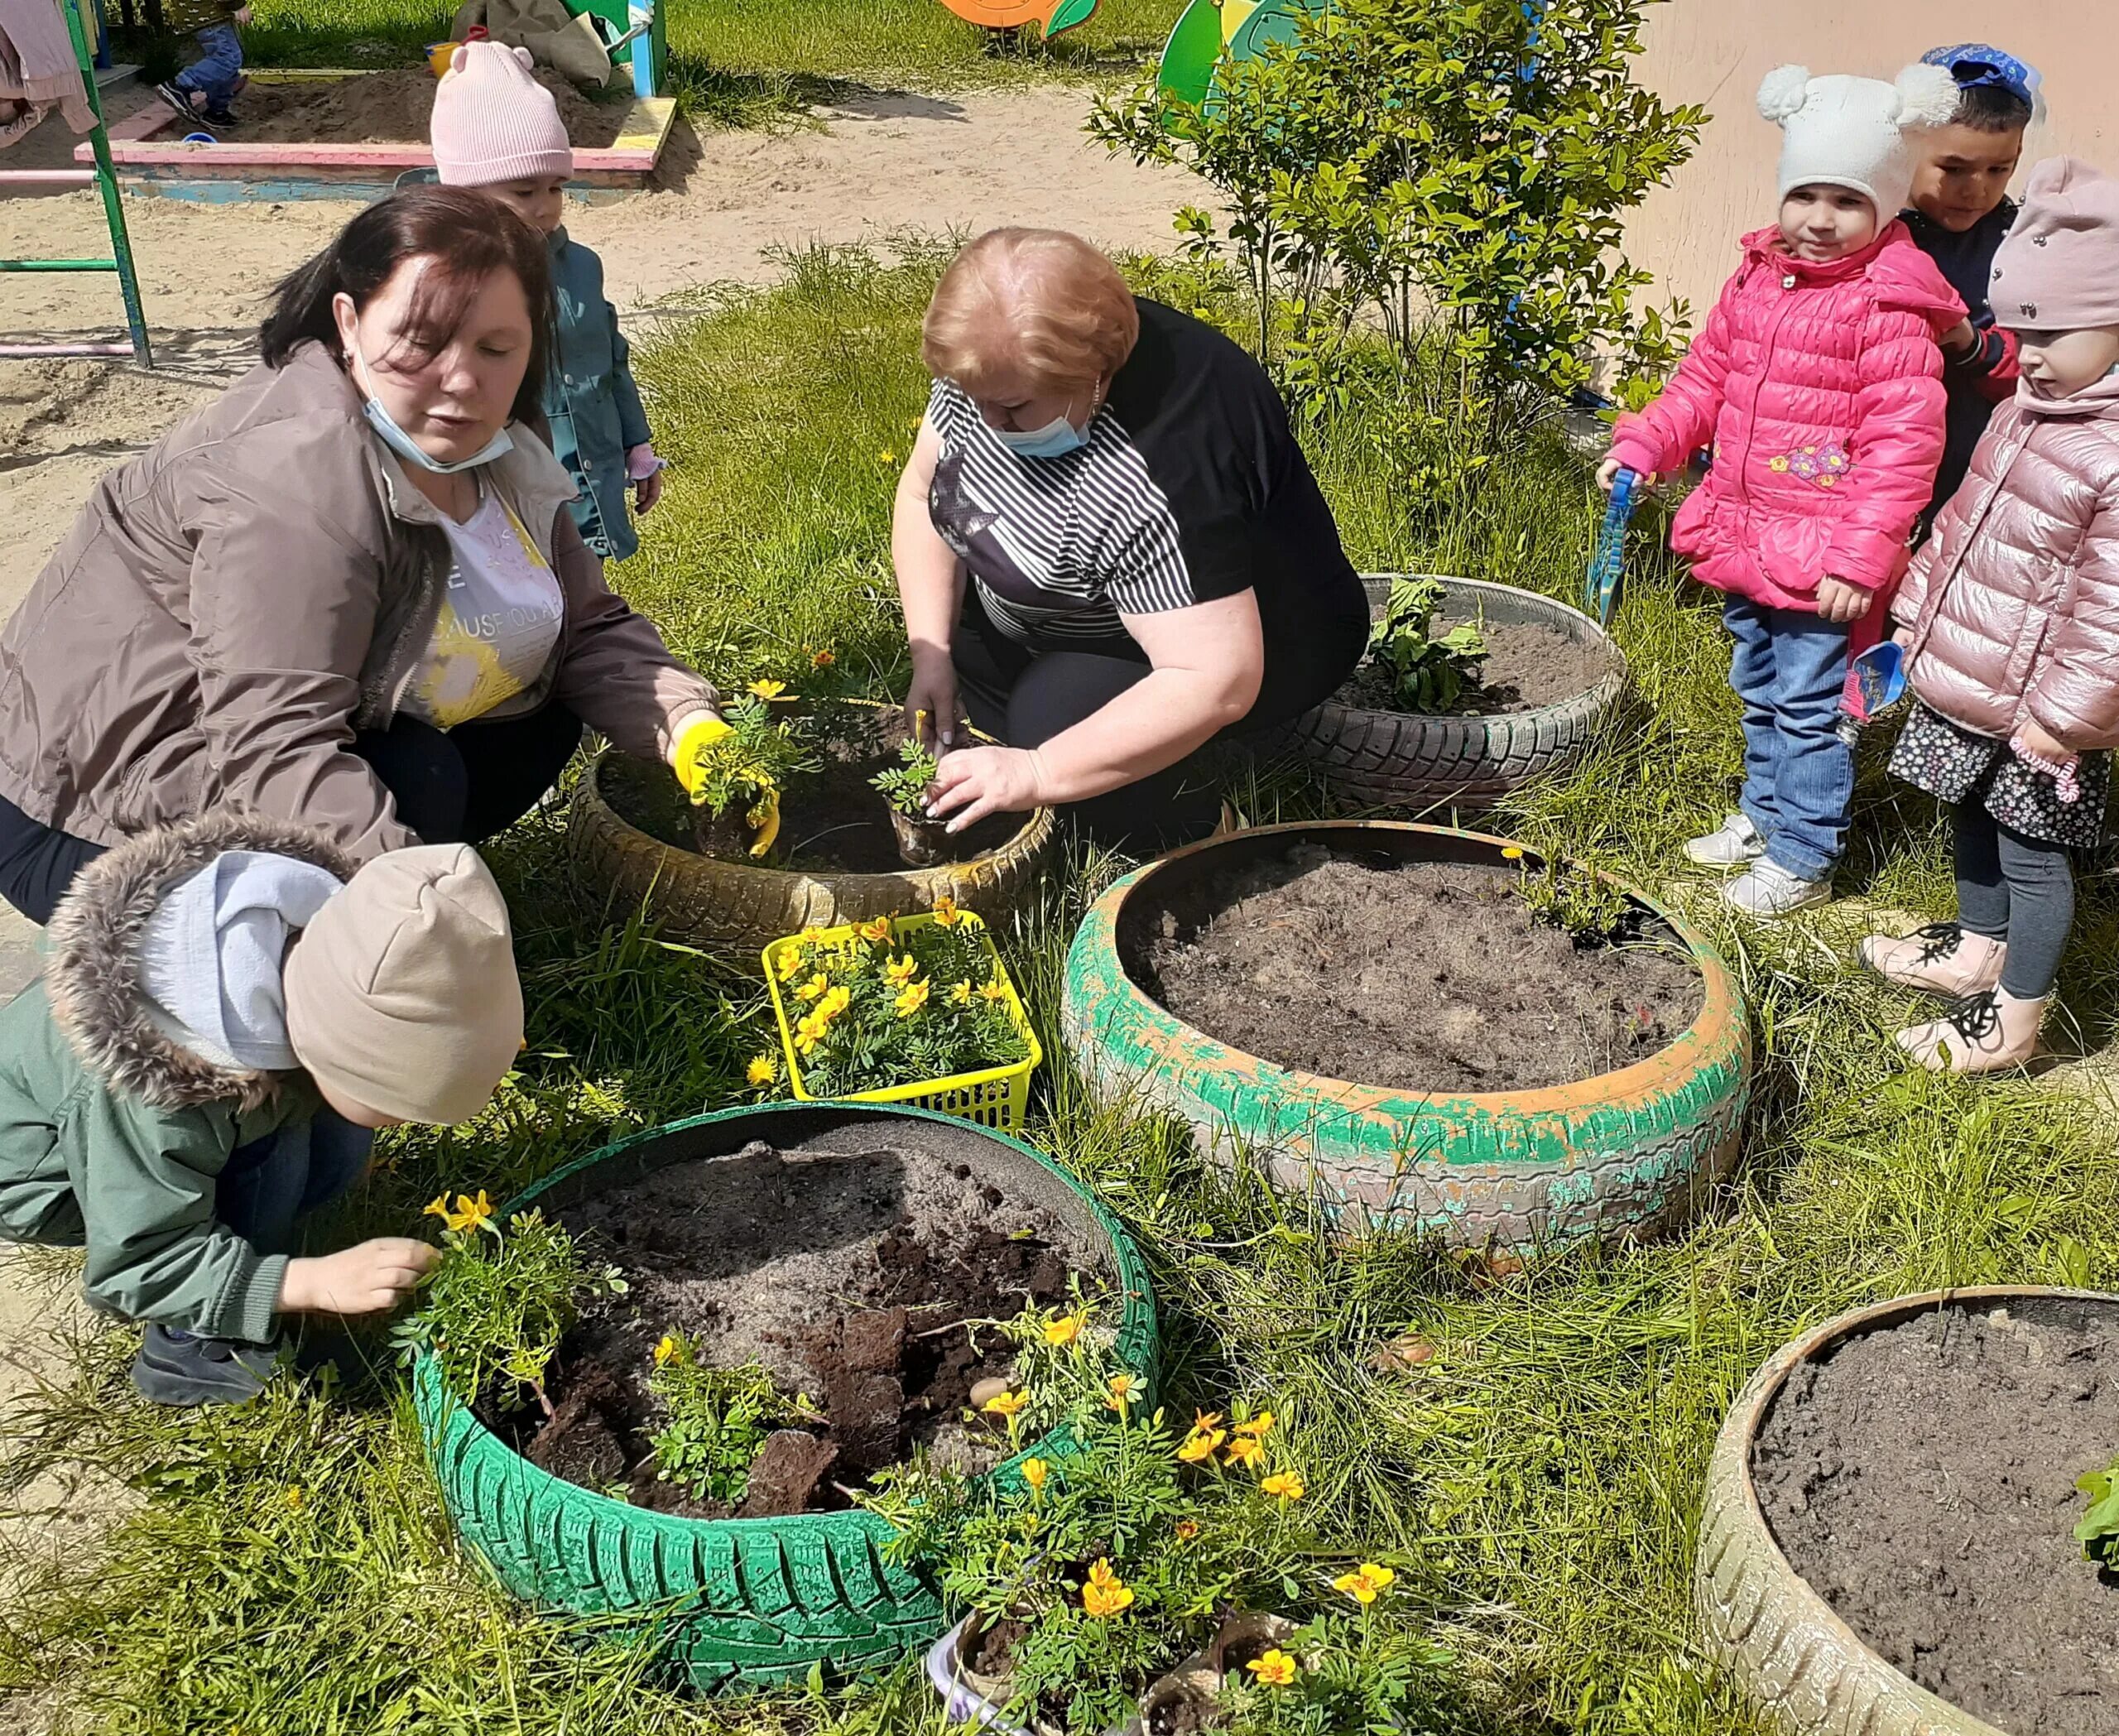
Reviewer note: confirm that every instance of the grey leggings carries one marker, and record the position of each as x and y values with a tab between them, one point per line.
2016	889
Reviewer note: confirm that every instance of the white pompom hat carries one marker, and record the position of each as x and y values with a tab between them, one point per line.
1842	132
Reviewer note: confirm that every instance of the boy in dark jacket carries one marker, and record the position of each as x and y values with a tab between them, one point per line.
227	1011
1960	211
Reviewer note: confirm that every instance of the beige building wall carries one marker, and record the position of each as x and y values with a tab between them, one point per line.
1714	52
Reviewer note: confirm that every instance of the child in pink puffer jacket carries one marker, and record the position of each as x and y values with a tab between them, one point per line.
1818	379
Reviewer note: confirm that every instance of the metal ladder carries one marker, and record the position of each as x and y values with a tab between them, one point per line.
105	178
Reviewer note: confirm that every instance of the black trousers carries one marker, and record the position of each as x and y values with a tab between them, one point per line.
1025	697
2018	890
457	787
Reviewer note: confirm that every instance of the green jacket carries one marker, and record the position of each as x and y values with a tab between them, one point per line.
590	399
112	1133
187	18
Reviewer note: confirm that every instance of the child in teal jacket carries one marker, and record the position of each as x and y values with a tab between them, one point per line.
495	127
228	1010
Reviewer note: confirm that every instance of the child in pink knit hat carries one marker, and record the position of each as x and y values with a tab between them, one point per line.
496	127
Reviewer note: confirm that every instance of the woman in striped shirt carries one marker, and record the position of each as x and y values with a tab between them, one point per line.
1110	548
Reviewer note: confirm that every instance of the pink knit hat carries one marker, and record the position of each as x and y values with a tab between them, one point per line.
493	122
2058	269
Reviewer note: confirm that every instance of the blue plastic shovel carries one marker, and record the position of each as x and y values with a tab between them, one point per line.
1607	563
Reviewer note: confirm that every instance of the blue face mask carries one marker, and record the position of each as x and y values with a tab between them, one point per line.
1056	439
408	448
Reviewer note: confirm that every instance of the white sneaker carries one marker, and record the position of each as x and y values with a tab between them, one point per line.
1734	843
1768	889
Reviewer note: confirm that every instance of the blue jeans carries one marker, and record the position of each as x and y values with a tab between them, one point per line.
1799	777
213	75
268	1186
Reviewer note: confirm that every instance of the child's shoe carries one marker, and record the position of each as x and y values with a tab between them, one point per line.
1736	842
1941	959
223	116
1768	889
178	1369
1986	1033
180	99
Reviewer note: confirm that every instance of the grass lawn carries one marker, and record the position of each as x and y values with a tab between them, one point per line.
740	62
1534	1485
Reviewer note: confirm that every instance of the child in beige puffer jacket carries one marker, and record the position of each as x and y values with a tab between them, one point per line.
2010	617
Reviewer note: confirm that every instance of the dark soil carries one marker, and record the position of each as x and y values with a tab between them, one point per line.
393	108
1526	666
830	821
1922	1480
847	1274
1426	977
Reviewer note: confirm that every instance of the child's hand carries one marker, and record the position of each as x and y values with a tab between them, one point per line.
2035	742
645	492
1840	602
1959	340
371	1278
242	16
644	469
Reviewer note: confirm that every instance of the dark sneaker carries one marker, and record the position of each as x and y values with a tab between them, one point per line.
224	116
179	99
174	1368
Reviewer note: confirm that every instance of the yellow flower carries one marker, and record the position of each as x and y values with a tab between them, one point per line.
1119	1394
1365	1583
812	935
993	990
901	970
1066	1329
912	997
1258	1428
834	1002
1245	1450
790	963
1187	1530
293	1497
761	1070
1274	1668
664	1350
1200	1445
960	996
886	457
1511	853
1285	1485
469	1214
822	660
810	1032
815	986
768	689
1034	1472
946	913
877	932
1007	1404
1105	1594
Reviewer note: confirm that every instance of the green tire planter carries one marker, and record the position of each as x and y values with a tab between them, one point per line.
1624	1154
740	1603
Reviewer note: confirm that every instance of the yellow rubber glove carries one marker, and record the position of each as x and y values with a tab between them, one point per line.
770	829
694	736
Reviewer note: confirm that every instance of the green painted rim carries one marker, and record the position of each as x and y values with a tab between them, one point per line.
1528	1168
731	1602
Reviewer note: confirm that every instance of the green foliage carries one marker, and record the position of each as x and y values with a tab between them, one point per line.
1432	164
2098	1531
911	1003
757	757
498	1304
1427	674
904	785
1569	895
715	1420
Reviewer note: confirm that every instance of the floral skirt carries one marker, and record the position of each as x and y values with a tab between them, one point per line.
1954	765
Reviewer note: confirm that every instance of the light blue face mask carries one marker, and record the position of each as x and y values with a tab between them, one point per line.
1056	439
408	448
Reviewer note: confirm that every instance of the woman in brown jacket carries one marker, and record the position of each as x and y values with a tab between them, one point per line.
2010	617
348	594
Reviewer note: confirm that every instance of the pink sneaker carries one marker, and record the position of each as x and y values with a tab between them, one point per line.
1941	959
1987	1033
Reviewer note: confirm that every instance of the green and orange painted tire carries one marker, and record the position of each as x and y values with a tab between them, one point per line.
739	1604
1625	1154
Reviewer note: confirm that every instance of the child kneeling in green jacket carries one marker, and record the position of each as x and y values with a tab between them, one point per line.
228	1011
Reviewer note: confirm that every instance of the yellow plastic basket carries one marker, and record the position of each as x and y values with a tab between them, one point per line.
994	1097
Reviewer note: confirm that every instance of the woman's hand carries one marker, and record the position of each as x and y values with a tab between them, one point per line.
930	702
975	782
1840	602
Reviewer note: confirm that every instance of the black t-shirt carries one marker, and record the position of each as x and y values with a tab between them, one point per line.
1191	487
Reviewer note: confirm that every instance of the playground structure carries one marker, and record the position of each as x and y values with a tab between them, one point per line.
100	173
1052	17
159	159
1210	31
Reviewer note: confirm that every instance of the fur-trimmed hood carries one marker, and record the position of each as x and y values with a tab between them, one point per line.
92	975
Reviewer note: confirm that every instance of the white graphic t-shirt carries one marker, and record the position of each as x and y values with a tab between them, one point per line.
498	622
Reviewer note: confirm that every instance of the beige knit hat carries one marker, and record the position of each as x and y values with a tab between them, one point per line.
401	993
493	122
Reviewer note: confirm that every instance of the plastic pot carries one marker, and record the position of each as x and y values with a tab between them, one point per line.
921	842
742	1603
1623	1154
1794	1657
